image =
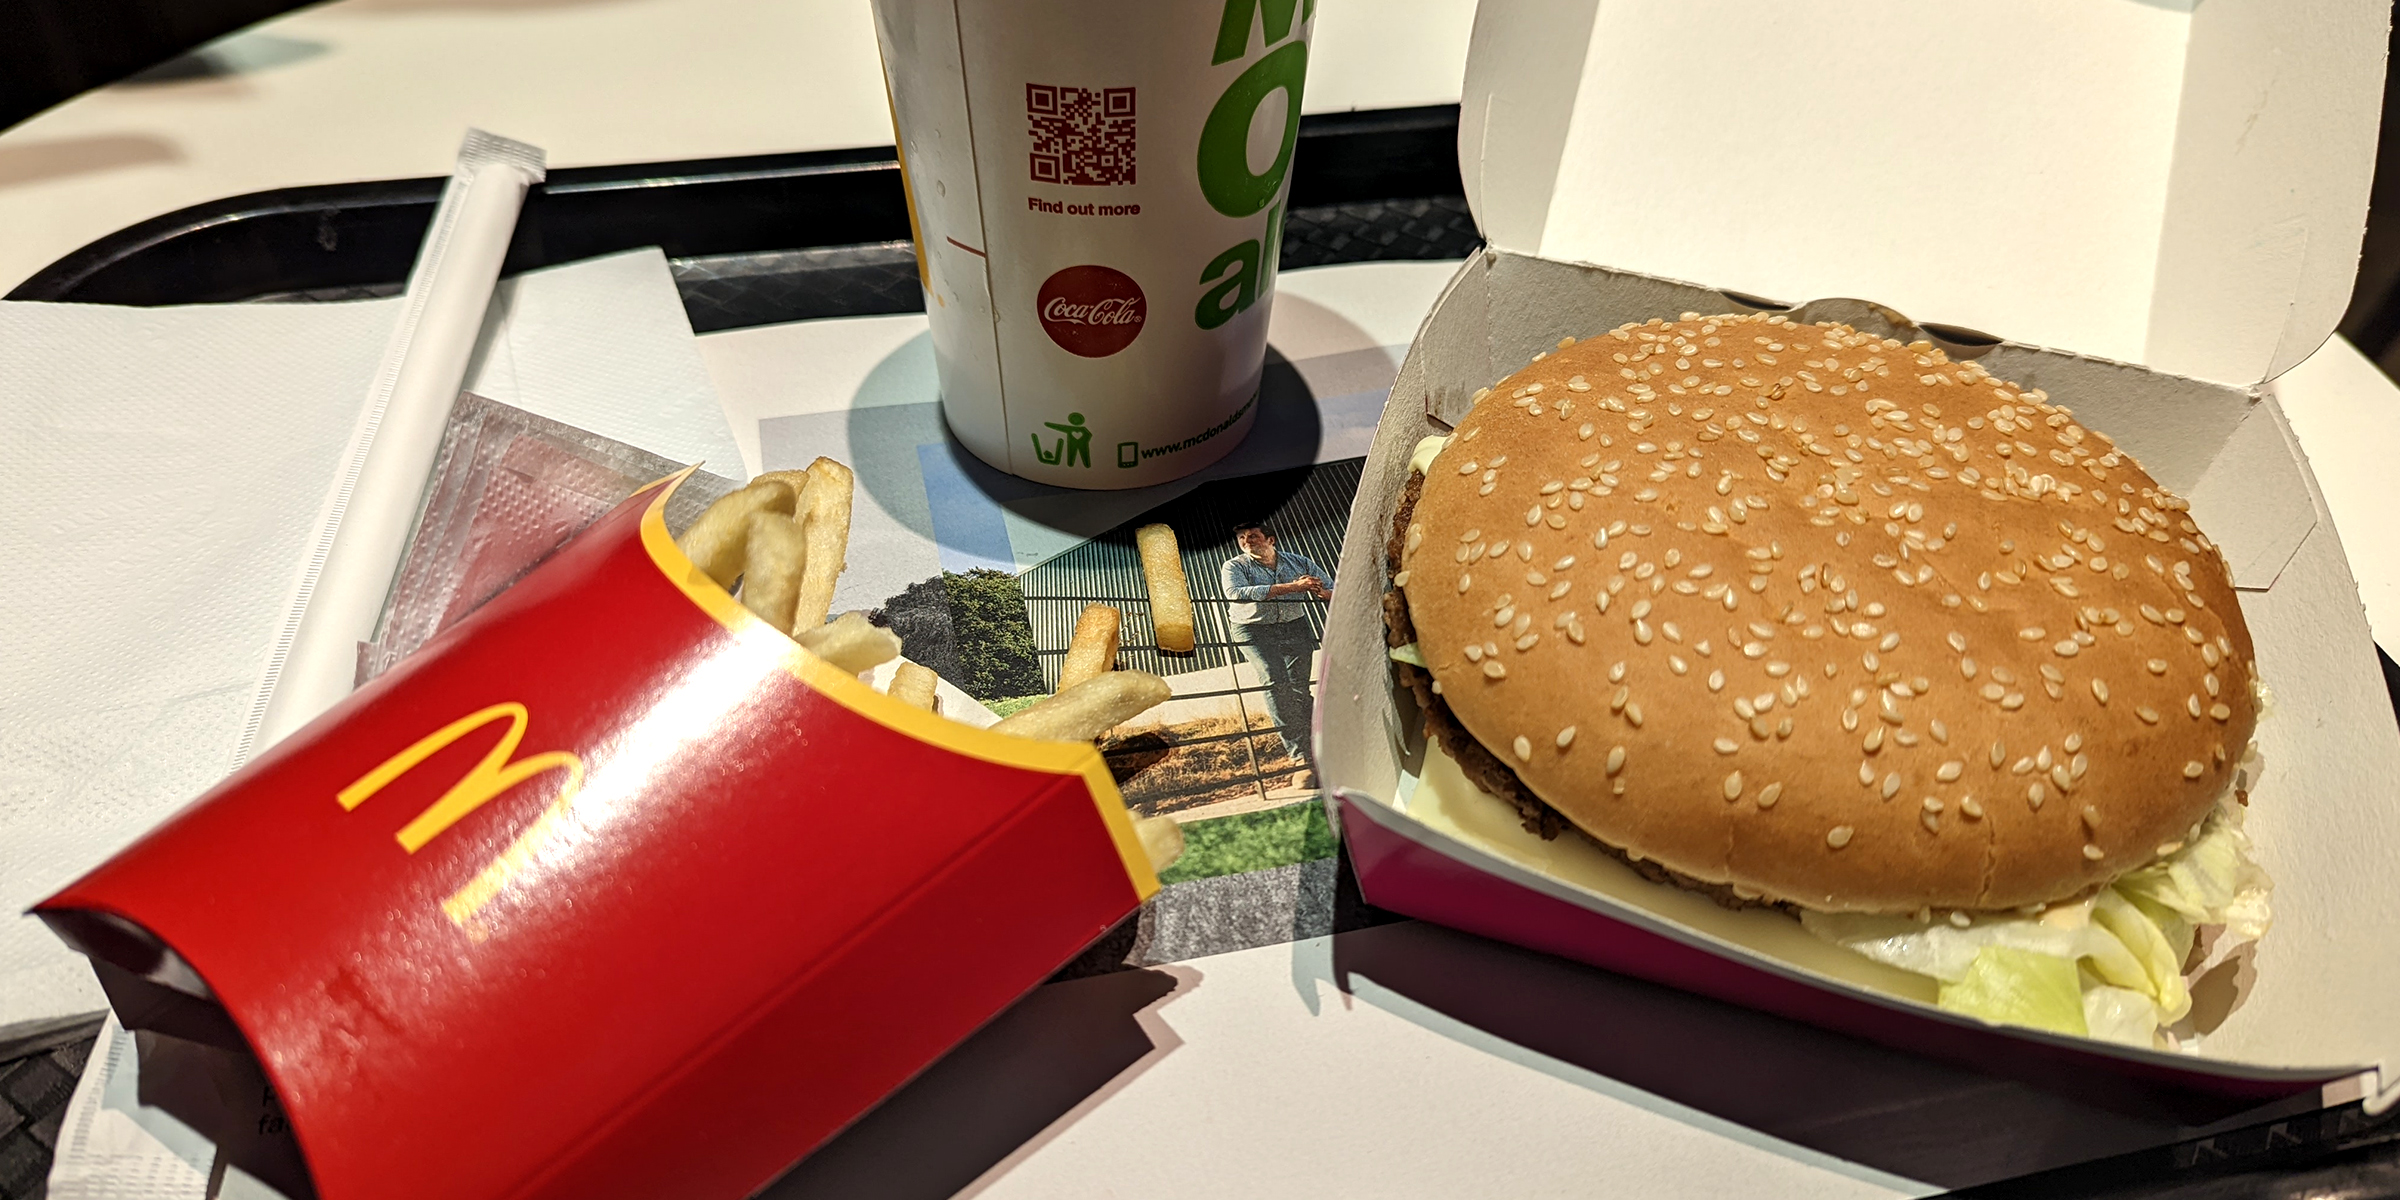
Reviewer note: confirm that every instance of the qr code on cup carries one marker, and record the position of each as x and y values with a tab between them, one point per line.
1081	136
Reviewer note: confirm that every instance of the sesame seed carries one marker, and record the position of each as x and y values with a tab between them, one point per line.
1891	785
2035	793
2091	818
2220	712
1566	736
1727	745
1733	786
2194	769
2100	691
1971	808
1616	759
2066	648
1768	795
1633	715
2094	853
2147	714
1933	804
1400	579
1950	771
1959	918
1523	748
1838	836
1493	670
1463	583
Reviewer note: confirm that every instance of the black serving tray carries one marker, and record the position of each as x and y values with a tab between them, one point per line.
752	241
786	237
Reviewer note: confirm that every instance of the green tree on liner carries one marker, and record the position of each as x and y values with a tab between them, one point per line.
993	639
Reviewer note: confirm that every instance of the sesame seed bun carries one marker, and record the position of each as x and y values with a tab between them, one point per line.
1818	617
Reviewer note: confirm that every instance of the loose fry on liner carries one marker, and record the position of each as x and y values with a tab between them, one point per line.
773	557
914	684
1170	593
1089	709
824	516
1093	650
1162	840
717	541
851	644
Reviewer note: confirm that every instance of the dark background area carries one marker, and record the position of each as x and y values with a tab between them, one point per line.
53	49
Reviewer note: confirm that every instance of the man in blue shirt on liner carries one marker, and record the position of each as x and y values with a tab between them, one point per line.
1271	593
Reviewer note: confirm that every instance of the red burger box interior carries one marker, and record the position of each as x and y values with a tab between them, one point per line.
610	853
2151	210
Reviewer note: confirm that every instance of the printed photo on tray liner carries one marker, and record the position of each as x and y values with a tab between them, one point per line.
1228	756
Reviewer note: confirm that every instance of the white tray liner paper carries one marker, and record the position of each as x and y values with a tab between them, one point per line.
2325	815
161	525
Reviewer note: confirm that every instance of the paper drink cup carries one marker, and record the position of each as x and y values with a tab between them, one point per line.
1097	192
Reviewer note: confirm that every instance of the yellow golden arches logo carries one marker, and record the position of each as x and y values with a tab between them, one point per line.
494	774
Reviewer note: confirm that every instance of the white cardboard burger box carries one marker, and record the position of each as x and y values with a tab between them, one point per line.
2158	203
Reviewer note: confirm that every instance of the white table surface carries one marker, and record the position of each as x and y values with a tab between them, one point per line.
367	89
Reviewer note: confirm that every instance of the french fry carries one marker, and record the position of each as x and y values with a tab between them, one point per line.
1093	650
824	515
1085	711
775	553
796	480
914	684
1170	592
1162	840
851	644
718	541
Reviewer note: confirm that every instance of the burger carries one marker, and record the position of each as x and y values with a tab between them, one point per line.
1807	618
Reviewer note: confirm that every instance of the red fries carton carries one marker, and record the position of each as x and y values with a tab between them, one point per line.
609	855
2152	209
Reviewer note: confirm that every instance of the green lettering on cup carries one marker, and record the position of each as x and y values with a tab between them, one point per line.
1225	176
1233	30
1238	291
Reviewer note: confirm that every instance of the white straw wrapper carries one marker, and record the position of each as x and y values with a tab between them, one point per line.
366	519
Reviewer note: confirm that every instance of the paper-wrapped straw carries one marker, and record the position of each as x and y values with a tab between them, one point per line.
365	523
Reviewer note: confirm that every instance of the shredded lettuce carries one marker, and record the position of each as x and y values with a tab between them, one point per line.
2122	949
2019	987
2118	1014
1407	654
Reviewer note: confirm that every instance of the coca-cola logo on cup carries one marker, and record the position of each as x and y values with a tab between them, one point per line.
1091	310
